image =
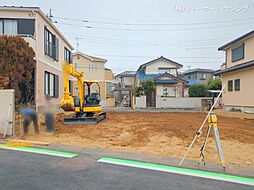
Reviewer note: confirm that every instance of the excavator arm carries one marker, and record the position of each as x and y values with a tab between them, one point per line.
67	102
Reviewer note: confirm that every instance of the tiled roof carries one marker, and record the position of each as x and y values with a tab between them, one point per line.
158	78
127	73
141	75
198	70
193	81
166	81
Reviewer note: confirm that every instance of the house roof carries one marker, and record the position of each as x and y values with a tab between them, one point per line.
37	9
192	81
127	74
198	70
235	68
166	81
159	59
245	36
91	58
159	78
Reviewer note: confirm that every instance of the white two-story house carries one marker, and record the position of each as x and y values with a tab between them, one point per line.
50	46
164	73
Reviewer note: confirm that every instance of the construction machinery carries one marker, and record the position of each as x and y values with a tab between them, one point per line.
86	105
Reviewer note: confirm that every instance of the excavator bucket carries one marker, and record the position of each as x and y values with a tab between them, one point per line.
85	120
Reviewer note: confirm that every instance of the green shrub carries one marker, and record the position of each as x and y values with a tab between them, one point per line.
198	90
215	84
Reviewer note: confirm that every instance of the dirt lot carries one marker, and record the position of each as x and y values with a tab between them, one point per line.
164	134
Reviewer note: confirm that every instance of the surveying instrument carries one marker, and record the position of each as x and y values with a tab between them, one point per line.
212	121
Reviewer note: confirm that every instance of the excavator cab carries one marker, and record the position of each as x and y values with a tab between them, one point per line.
92	97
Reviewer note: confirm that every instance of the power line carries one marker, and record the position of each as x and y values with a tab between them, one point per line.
203	45
151	30
186	46
142	41
164	44
173	57
152	24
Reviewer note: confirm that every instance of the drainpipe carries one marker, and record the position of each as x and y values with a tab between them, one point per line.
36	65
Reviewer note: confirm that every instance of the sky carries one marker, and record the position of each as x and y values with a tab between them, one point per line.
132	32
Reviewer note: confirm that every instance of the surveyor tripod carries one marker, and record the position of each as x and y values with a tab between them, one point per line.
212	124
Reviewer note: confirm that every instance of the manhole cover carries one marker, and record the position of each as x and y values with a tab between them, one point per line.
77	163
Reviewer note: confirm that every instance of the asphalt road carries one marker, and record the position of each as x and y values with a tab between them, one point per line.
29	171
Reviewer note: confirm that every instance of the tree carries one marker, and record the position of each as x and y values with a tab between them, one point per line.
198	90
17	64
215	84
146	87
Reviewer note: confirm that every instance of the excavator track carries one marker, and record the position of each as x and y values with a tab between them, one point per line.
85	120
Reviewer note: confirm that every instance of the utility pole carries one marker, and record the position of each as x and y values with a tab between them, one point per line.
50	14
77	43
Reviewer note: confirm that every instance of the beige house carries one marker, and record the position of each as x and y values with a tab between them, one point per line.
50	46
238	73
94	69
124	88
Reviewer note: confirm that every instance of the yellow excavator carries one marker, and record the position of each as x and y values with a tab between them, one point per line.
86	106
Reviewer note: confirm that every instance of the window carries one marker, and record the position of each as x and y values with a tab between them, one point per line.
67	55
1	27
238	53
51	84
26	26
17	26
165	92
237	84
189	76
76	66
9	27
164	70
230	85
51	44
92	67
110	89
169	91
203	76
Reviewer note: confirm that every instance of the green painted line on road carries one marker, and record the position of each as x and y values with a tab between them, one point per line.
40	151
179	170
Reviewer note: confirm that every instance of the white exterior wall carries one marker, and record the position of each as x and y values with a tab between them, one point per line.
171	90
153	67
141	102
7	116
159	90
178	103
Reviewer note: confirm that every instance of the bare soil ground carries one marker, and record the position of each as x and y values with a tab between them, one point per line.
164	134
